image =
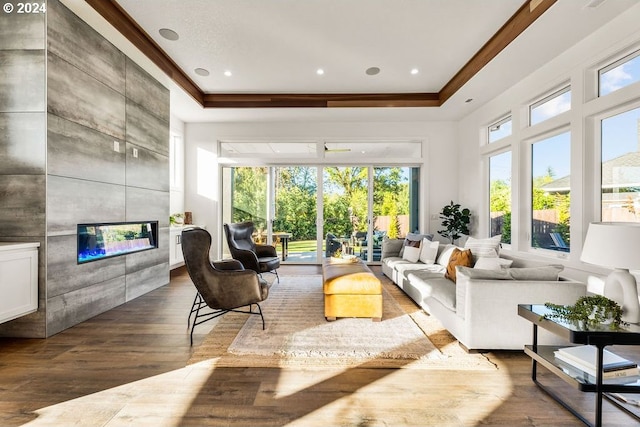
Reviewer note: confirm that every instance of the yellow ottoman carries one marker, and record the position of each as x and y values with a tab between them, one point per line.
351	290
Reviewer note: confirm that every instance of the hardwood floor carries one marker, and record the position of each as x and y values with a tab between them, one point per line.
128	367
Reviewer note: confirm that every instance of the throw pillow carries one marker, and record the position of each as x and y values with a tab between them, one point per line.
546	273
478	274
483	247
411	239
492	263
391	247
443	258
411	253
429	251
458	258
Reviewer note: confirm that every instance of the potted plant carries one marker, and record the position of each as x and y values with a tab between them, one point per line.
588	312
455	221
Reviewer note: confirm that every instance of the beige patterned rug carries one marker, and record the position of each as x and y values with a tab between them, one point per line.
297	334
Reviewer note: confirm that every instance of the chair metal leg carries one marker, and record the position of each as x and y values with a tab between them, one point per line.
261	316
219	312
197	303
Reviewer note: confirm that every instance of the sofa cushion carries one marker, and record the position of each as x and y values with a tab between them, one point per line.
429	251
393	261
546	273
483	247
458	258
433	285
405	268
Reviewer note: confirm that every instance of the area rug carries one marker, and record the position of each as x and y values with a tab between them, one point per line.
297	334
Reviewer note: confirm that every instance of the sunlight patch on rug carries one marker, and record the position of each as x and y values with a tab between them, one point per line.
298	336
296	327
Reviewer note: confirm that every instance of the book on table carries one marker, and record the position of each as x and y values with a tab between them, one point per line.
583	358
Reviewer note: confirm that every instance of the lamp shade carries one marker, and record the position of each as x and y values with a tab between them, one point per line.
612	244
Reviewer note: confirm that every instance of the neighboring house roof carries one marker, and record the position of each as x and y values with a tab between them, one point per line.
619	172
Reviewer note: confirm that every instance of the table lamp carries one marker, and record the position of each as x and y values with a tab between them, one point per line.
616	245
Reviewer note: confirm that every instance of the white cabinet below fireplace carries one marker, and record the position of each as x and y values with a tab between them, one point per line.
18	279
175	246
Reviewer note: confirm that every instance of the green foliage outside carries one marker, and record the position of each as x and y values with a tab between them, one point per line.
500	192
345	199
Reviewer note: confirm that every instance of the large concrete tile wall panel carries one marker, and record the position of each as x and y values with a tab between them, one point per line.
148	170
146	91
64	274
146	280
22	211
73	201
148	205
22	81
32	325
22	31
22	143
80	98
146	130
77	151
64	311
73	40
145	259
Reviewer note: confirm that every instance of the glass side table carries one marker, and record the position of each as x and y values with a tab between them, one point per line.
599	337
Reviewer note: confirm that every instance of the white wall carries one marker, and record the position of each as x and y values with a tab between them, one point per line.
578	66
201	159
176	195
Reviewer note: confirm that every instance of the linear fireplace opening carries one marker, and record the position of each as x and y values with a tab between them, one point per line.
106	240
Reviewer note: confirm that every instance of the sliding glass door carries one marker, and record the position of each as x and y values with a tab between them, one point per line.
294	231
395	207
310	213
345	210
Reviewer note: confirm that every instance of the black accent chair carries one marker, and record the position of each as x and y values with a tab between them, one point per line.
223	286
256	257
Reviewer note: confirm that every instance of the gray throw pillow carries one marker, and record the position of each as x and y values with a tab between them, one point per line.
546	273
477	274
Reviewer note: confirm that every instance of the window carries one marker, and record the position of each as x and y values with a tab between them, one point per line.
621	167
499	130
500	195
619	74
550	106
550	195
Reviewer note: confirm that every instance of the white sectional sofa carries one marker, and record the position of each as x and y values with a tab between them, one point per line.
480	309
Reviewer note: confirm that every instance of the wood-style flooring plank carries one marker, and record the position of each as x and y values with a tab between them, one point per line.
128	367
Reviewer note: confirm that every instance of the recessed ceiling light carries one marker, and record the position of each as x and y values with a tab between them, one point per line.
414	71
201	72
319	71
372	71
168	34
228	73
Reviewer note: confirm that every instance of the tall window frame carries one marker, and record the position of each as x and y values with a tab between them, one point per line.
618	163
500	194
550	191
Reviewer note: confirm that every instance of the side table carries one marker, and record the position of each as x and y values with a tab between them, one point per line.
599	337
